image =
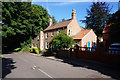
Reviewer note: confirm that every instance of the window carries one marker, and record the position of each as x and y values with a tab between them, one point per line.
46	45
69	32
70	25
32	45
42	36
52	34
38	37
46	35
58	31
37	45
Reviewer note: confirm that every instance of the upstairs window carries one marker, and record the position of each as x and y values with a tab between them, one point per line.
69	32
52	34
46	35
58	31
38	37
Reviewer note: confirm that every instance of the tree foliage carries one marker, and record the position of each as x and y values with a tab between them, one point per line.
115	27
53	20
61	41
63	19
97	16
22	23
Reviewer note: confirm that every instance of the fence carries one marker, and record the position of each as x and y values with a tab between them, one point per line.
96	54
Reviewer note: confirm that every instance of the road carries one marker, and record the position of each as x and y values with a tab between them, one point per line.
24	65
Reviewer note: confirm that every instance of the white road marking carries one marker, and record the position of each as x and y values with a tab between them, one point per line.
44	72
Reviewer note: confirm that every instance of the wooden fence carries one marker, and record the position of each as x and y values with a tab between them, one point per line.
96	54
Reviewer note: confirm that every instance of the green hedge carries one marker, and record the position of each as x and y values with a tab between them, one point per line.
17	49
34	50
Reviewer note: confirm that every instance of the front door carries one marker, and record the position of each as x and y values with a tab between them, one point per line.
89	46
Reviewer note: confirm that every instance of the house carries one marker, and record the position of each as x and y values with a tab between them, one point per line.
106	33
71	27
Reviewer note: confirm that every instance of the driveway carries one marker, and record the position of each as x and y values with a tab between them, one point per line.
25	65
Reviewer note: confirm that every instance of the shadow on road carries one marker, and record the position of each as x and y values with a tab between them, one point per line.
7	66
108	70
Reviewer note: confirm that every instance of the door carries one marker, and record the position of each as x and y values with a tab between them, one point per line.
89	45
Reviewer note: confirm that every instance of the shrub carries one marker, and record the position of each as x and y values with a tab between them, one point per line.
34	50
61	41
44	51
17	49
0	55
40	50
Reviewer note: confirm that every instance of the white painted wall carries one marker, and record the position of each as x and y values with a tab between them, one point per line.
91	36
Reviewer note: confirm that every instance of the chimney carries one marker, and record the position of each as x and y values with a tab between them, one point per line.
50	22
73	14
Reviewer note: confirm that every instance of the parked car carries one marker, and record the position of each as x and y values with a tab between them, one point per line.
114	48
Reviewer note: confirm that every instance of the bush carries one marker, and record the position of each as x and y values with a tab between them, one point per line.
34	50
61	41
0	55
44	51
17	49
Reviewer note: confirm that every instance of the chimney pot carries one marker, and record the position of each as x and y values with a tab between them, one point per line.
73	14
50	22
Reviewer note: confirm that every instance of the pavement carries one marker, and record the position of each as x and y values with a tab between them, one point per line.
28	65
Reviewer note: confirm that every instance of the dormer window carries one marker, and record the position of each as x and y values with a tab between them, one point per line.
46	35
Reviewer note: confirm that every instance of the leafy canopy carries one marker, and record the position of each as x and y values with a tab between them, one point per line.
97	16
22	23
115	27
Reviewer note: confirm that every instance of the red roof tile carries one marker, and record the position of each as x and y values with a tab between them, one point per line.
58	25
81	34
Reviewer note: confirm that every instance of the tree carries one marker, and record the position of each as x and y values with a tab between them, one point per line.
61	41
22	23
63	19
115	27
97	17
54	20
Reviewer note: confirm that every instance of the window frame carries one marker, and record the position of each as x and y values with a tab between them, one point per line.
46	35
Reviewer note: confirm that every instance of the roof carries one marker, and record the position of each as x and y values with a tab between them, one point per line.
81	34
107	28
58	25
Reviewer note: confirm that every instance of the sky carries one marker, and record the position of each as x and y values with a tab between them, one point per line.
62	10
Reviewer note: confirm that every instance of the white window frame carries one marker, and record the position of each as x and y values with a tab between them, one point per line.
70	25
42	37
38	37
36	45
58	31
32	45
46	45
46	35
52	33
69	32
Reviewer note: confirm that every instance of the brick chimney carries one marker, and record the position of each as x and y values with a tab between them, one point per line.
50	22
73	14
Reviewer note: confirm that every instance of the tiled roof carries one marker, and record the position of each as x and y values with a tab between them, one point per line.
81	34
58	25
107	28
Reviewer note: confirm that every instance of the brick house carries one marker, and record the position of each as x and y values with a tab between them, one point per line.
106	33
72	29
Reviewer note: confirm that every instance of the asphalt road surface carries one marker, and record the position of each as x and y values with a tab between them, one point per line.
24	65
